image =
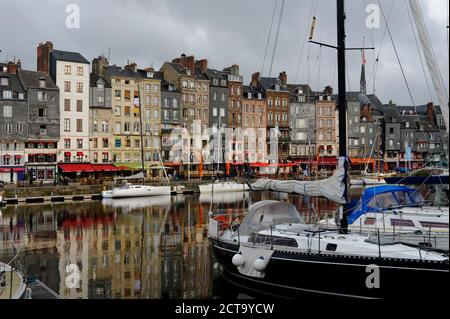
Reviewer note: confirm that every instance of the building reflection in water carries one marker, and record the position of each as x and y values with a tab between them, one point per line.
152	247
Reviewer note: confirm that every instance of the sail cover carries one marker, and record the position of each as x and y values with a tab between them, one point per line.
332	188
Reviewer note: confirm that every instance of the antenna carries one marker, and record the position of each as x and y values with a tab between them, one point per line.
109	54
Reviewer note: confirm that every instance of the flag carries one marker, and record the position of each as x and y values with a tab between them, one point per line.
363	57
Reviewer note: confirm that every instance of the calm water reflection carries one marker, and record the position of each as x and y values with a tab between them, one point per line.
152	247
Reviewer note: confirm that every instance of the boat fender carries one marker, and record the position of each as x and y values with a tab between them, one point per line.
260	264
238	260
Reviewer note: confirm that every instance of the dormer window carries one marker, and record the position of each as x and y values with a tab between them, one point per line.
4	81
149	74
259	96
188	72
277	87
249	95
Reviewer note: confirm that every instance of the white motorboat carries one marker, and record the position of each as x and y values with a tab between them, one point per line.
130	190
12	284
221	187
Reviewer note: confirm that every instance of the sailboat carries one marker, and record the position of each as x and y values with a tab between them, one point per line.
12	283
222	186
271	250
134	190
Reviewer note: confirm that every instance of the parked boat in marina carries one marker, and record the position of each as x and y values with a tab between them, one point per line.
223	187
12	284
130	190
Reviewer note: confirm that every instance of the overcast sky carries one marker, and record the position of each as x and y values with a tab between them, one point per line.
150	32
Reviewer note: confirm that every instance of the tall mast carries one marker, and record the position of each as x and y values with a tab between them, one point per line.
141	129
342	103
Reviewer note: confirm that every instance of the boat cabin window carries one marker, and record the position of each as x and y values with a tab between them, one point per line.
272	240
331	247
394	199
370	221
434	224
402	222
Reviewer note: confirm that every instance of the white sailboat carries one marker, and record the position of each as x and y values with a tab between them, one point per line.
12	284
135	190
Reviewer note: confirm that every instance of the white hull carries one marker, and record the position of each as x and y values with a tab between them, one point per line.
366	182
136	191
222	187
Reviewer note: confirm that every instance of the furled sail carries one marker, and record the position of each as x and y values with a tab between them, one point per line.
332	188
430	58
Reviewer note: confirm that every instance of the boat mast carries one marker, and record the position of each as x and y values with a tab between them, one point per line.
141	131
342	103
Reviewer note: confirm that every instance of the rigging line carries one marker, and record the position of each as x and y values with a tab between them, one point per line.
268	37
432	50
304	40
418	51
396	54
320	63
276	36
376	62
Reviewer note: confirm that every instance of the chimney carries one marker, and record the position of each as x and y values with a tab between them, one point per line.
328	90
256	77
202	65
233	70
283	78
43	56
430	112
186	61
132	66
99	64
12	67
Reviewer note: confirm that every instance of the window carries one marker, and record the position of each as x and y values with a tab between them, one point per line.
101	99
19	128
215	111
42	96
66	86
79	105
155	88
175	103
79	70
7	111
67	105
363	129
105	126
67	69
118	127
4	81
95	142
117	94
117	110
79	143
391	130
67	143
79	125
41	112
105	142
7	95
8	128
79	87
156	101
126	127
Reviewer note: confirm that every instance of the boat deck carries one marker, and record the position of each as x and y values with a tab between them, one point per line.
9	290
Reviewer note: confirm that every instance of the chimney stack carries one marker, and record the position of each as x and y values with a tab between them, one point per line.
186	61
12	67
256	77
328	90
430	112
99	64
202	65
283	78
132	66
43	56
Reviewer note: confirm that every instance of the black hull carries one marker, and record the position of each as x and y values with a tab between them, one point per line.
296	275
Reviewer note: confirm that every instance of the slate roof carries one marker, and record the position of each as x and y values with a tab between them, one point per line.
269	83
94	78
68	56
14	83
254	91
30	79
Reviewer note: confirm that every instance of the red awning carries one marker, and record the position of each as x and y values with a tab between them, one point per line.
67	153
18	156
76	168
88	168
14	169
105	168
6	155
80	154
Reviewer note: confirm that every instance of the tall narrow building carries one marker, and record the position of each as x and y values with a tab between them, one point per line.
70	72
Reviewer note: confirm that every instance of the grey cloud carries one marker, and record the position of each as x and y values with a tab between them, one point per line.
226	32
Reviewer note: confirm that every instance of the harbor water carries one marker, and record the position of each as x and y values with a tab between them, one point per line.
153	247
